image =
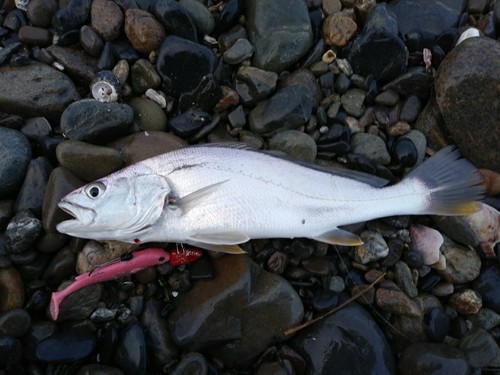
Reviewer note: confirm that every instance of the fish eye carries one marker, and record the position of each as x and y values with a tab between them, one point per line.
95	190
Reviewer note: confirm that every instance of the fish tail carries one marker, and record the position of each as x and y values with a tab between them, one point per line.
452	185
55	302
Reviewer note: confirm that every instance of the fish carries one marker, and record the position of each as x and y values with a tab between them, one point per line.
218	196
123	266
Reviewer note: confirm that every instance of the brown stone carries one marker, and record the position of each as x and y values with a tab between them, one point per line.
77	64
107	19
396	302
466	301
143	30
35	36
338	29
331	6
11	289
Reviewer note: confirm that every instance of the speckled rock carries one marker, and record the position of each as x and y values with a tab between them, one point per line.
353	102
373	248
462	264
88	162
23	229
35	90
280	31
466	301
371	146
106	18
294	143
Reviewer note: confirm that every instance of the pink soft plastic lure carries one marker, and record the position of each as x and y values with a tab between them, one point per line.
127	264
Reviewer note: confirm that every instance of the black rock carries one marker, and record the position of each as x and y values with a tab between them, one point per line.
487	286
327	83
90	41
38	331
414	259
11	350
360	163
72	17
22	231
205	96
411	109
131	352
182	64
428	18
414	82
96	122
107	60
429	281
379	50
228	16
124	50
405	152
15	19
175	19
14	322
437	324
192	364
15	153
447	39
66	346
325	300
349	341
254	84
108	343
189	122
32	191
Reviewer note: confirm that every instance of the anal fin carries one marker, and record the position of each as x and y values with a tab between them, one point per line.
228	249
339	237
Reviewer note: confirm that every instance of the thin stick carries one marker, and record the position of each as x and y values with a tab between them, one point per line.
292	330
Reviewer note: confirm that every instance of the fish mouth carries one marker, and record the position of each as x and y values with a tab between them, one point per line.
83	216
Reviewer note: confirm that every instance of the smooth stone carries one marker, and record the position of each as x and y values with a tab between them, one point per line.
378	50
316	265
237	117
206	96
286	109
71	17
405	152
88	162
15	153
50	242
305	78
486	285
338	29
387	98
294	143
76	63
66	346
342	342
404	279
427	18
36	36
480	348
353	102
158	341
373	248
462	264
419	140
98	369
469	118
80	304
466	301
254	84
32	191
61	266
90	41
443	289
23	229
414	82
280	32
93	121
240	51
324	300
11	350
15	322
11	289
236	32
143	76
370	146
485	318
396	302
229	16
410	109
141	146
182	64
175	19
25	90
191	364
201	16
40	12
148	115
61	182
189	122
37	331
143	30
106	19
131	353
437	324
35	128
231	318
430	358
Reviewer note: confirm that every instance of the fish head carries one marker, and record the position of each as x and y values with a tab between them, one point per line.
118	207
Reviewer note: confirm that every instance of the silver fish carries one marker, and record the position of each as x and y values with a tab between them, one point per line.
217	196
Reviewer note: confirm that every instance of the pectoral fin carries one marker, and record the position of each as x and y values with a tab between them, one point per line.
339	237
228	249
190	201
221	238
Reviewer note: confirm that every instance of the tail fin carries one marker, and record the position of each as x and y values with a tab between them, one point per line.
55	301
454	184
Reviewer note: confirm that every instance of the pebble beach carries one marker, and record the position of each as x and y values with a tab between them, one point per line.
88	87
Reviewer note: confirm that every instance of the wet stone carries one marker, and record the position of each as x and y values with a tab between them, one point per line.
294	143
106	18
94	121
205	96
148	115
254	84
286	109
189	122
175	19
201	16
143	30
405	152
11	289
378	50
370	146
90	41
425	358
228	16
15	153
277	262
420	142
278	44
22	231
131	355
88	162
486	285
11	350
182	64
240	51
14	322
191	363
66	346
342	342
387	98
